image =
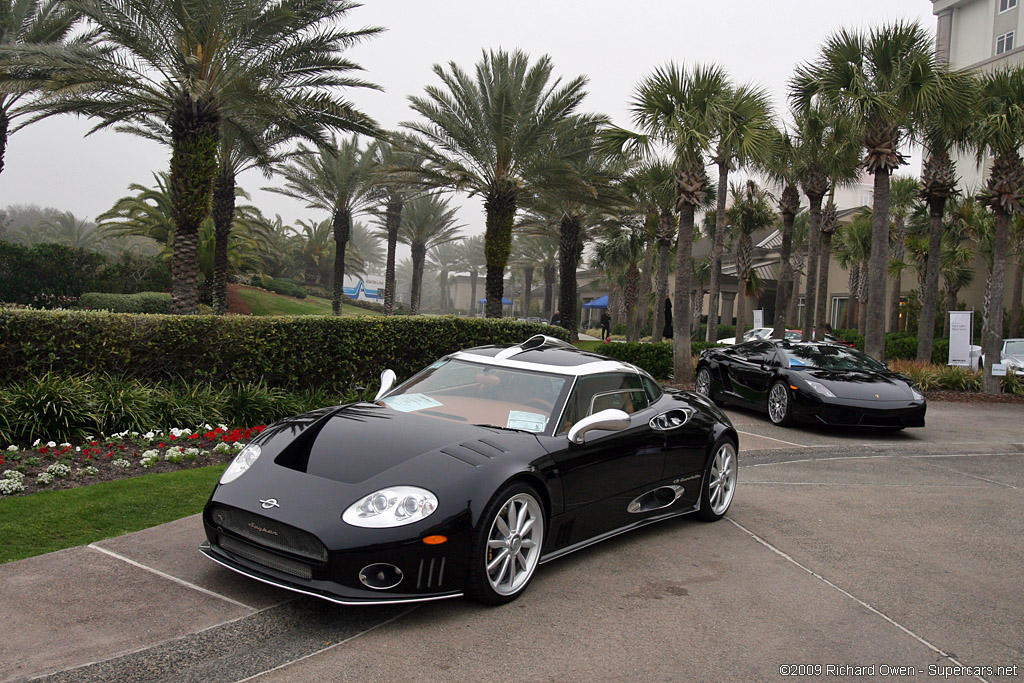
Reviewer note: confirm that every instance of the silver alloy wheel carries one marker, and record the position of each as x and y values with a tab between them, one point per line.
778	403
723	478
703	386
514	544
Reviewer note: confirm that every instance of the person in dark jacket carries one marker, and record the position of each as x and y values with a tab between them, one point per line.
556	319
606	326
667	332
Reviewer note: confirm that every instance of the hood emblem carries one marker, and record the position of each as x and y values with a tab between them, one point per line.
878	396
269	503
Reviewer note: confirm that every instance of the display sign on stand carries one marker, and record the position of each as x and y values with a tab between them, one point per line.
960	328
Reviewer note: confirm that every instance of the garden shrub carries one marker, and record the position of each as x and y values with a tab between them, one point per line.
45	275
51	406
900	345
290	352
122	404
657	359
852	336
940	351
251	403
282	286
143	302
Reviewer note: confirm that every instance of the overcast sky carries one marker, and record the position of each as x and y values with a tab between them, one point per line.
615	44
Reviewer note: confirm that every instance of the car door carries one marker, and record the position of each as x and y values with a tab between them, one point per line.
602	475
751	372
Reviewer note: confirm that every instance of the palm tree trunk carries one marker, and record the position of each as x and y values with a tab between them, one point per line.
814	246
950	305
1015	299
500	206
223	216
195	137
630	295
393	221
717	241
994	334
785	281
824	256
472	288
862	297
527	286
682	351
793	305
4	125
661	278
897	282
741	305
342	223
874	342
930	287
419	257
644	294
550	272
568	256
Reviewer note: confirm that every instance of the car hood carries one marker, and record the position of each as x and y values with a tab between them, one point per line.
1016	359
862	385
362	441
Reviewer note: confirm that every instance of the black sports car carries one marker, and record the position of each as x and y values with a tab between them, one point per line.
467	476
810	381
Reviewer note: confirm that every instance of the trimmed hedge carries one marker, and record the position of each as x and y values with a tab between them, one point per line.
143	302
287	352
657	359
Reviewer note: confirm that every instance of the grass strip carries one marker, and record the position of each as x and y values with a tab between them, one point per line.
54	520
267	303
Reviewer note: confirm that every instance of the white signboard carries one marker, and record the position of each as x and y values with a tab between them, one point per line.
999	369
960	338
758	318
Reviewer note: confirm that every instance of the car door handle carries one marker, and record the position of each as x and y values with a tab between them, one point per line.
672	419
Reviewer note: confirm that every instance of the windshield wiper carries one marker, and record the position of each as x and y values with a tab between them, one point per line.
507	429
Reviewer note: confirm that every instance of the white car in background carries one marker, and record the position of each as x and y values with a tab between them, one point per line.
1012	355
761	333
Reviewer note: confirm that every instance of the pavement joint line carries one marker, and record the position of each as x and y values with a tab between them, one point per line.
972	476
881	455
873	610
332	645
851	484
175	579
762	436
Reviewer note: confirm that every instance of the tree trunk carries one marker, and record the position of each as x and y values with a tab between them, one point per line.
862	297
1015	299
4	126
717	241
824	256
630	295
419	257
223	216
785	282
950	306
930	286
393	221
814	246
342	223
661	278
527	286
897	283
644	293
793	309
472	289
195	137
550	272
569	244
874	335
682	350
500	206
993	339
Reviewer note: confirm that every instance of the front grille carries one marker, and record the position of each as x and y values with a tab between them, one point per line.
260	556
269	533
431	573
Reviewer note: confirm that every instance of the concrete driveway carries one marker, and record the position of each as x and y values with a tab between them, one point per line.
846	556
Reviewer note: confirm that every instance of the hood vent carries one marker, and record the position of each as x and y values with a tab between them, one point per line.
537	341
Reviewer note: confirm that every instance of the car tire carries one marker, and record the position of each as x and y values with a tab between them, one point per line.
780	405
703	384
719	485
503	559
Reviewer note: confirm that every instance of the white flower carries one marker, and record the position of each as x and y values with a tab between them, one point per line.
59	469
207	427
147	462
12	449
65	445
11	486
173	452
194	452
88	471
151	454
238	446
222	447
14	475
36	443
51	444
122	463
44	479
148	436
78	449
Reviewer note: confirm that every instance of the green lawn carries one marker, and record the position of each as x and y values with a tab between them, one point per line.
52	520
262	302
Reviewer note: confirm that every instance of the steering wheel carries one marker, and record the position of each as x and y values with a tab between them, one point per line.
539	403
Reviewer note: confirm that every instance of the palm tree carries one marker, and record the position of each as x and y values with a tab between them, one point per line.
829	225
65	229
148	213
853	252
529	251
679	108
999	132
312	246
31	22
490	135
887	79
368	249
946	127
903	192
620	252
750	211
427	221
339	179
444	258
191	67
781	168
745	135
471	260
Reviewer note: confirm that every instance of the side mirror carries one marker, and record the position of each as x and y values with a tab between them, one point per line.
387	380
611	420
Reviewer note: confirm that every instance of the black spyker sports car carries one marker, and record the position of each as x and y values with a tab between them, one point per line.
815	382
463	479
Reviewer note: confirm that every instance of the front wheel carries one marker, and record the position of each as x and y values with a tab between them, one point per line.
719	485
703	383
506	546
780	405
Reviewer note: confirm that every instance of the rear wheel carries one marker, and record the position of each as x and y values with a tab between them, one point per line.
506	546
702	383
780	405
719	481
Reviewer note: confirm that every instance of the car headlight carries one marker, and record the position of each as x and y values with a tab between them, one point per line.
394	506
820	388
241	464
918	396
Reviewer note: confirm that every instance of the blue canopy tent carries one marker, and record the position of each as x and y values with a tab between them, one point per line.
599	302
505	301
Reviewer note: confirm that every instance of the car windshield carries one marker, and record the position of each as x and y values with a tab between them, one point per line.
757	333
1013	347
827	357
508	398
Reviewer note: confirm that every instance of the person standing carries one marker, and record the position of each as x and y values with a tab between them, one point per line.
606	326
667	332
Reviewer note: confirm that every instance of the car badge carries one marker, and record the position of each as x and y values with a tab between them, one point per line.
269	503
878	396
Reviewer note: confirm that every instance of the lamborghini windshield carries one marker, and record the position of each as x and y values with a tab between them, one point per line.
827	357
508	398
